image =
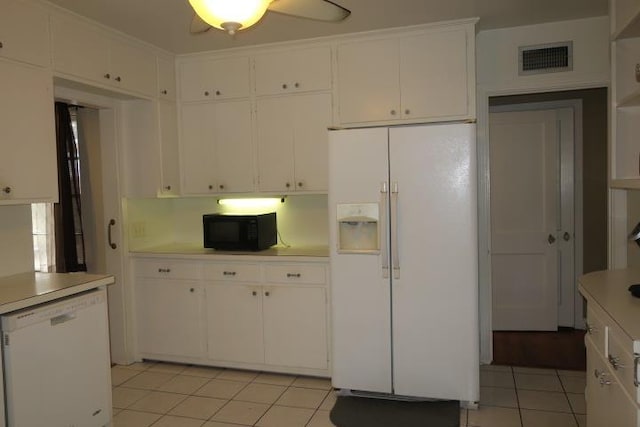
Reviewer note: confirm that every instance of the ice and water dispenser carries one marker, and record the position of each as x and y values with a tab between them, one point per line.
358	227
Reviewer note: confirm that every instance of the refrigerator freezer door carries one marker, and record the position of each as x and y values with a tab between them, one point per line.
359	291
435	309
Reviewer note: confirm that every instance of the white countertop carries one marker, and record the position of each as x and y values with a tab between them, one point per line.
186	250
27	289
608	288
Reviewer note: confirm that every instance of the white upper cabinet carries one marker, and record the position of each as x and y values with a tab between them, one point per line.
169	149
214	79
166	78
292	71
28	171
216	148
82	50
426	76
24	32
292	142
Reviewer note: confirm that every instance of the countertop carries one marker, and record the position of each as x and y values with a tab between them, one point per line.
186	250
608	288
28	289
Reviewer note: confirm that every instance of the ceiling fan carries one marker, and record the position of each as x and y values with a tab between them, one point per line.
234	15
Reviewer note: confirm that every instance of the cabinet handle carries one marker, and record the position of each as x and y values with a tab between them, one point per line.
164	92
637	71
164	270
6	190
615	362
1	45
112	222
590	329
266	294
118	79
168	187
107	76
636	359
229	273
295	275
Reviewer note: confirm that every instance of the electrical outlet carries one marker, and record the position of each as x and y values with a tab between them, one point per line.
138	230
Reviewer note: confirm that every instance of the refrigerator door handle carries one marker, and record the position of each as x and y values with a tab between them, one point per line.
384	250
395	258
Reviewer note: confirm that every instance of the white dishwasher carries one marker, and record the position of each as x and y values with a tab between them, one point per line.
57	363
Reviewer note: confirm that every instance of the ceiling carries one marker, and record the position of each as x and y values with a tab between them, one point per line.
165	23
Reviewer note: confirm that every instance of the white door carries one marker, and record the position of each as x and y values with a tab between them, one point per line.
435	288
524	166
360	294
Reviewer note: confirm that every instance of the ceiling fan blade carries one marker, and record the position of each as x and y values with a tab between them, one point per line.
198	25
321	10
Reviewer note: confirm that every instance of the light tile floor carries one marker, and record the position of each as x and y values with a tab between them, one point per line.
174	395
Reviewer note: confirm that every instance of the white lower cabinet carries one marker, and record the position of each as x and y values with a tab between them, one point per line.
256	315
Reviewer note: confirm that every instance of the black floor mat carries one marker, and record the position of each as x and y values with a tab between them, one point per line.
352	411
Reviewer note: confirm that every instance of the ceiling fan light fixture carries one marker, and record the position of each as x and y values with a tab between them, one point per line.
230	15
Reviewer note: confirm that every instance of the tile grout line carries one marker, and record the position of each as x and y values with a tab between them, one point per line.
515	386
575	418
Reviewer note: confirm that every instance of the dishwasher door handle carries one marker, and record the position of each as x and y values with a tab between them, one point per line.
63	318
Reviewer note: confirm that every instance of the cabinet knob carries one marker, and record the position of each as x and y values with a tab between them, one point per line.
294	275
284	86
218	93
297	85
206	93
254	293
393	112
192	290
168	188
1	45
300	184
615	362
228	273
221	186
266	294
210	187
107	76
118	79
287	185
407	111
164	92
6	190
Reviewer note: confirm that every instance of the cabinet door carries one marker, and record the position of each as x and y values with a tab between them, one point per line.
169	150
28	171
295	326
132	68
368	81
234	323
311	116
293	71
214	79
434	75
234	147
197	148
79	50
275	145
169	317
24	32
166	78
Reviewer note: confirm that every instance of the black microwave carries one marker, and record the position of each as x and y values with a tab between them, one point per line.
229	232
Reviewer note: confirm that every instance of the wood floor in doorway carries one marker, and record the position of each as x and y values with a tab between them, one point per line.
563	349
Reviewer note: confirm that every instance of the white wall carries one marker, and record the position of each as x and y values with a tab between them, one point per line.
16	240
302	220
497	74
497	55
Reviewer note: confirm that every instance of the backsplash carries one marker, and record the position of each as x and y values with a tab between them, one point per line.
302	220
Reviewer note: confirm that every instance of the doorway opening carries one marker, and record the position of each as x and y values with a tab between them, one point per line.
548	221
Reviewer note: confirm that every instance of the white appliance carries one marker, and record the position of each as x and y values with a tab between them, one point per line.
56	363
405	301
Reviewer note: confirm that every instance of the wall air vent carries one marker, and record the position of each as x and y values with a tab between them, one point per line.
545	58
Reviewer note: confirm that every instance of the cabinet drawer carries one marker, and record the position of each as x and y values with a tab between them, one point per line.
167	269
232	272
596	327
621	360
292	273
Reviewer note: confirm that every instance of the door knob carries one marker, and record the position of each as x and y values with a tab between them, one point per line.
566	236
551	239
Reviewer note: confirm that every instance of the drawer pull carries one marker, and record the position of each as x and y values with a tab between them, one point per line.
615	362
636	359
164	270
294	275
229	273
590	329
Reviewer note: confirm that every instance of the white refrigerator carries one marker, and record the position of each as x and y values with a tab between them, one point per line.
403	247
